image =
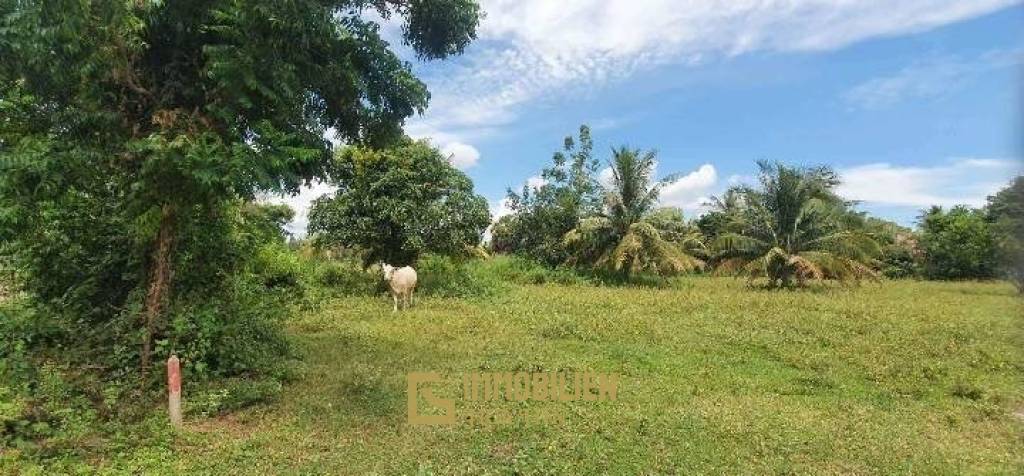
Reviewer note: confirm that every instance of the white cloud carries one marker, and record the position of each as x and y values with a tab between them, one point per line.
605	177
500	209
691	191
926	79
462	156
960	181
453	145
688	192
740	179
529	50
536	182
301	204
608	123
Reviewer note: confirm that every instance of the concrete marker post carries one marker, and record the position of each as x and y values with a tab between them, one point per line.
174	390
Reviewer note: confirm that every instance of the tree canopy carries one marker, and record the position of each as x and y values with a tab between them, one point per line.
542	214
957	243
398	203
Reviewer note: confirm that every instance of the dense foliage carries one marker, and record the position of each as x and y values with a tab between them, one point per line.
794	228
131	129
542	215
63	379
395	204
958	244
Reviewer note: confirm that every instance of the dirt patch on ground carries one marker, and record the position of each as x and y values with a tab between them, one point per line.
1019	414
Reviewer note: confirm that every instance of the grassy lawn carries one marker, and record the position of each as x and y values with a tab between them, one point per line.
902	377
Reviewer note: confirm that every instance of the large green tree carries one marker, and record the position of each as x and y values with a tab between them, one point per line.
147	116
621	238
542	215
793	228
957	243
398	203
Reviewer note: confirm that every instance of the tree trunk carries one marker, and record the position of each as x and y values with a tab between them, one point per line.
159	283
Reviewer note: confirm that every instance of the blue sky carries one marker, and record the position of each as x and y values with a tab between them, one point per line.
915	102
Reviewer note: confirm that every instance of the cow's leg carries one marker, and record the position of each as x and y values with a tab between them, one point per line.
395	297
412	298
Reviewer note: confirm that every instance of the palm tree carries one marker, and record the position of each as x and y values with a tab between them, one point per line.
793	227
619	239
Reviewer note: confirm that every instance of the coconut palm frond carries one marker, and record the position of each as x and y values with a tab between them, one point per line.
730	266
663	257
804	268
738	243
793	227
588	240
851	243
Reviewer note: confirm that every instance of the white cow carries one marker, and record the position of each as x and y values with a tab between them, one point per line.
402	282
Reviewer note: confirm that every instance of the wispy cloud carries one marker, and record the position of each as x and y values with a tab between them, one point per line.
965	181
926	79
531	50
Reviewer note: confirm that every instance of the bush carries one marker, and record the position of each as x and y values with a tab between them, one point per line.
346	278
443	276
901	258
958	244
520	270
541	216
45	407
234	332
277	268
1006	214
69	359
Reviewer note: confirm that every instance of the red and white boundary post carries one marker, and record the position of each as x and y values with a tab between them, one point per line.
174	390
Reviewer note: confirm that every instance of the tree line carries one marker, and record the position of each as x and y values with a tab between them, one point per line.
788	229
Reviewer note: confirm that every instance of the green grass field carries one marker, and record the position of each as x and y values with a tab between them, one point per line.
898	377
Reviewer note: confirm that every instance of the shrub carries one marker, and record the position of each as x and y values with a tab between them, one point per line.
1006	214
444	276
901	259
957	244
277	268
236	331
45	408
345	277
520	270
